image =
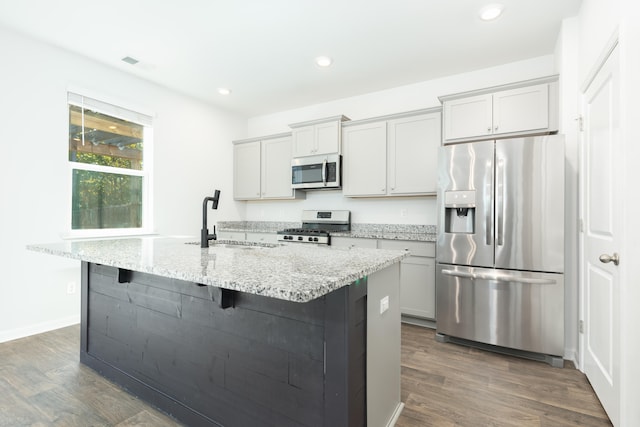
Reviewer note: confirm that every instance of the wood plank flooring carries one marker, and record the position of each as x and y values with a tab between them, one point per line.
43	384
445	384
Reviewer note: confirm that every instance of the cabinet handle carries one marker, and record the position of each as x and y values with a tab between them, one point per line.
496	128
489	129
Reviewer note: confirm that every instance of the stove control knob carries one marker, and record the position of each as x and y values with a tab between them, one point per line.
315	239
299	237
311	239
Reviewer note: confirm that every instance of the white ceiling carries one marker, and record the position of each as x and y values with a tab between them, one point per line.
264	50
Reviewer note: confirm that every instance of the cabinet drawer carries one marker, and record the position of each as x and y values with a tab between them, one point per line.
231	235
426	249
354	242
262	237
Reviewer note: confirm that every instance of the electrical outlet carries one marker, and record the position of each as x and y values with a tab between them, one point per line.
384	304
71	288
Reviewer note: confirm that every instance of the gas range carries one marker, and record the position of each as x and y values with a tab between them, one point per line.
316	227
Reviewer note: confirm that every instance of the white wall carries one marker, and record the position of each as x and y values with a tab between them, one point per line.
418	210
192	152
566	54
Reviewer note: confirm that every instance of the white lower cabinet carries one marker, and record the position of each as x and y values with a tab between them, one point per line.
354	242
417	272
231	235
417	277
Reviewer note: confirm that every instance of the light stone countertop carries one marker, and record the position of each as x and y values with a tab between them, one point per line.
298	273
420	233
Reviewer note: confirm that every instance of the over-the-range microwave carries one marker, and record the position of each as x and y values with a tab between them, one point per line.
316	172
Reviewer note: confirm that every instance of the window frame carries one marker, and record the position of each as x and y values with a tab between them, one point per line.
146	172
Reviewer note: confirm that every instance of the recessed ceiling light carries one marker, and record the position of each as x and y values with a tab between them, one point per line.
130	60
323	61
224	91
491	12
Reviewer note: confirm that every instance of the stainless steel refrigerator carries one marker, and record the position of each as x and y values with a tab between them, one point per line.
500	248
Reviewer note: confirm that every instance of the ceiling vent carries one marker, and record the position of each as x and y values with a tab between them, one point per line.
130	60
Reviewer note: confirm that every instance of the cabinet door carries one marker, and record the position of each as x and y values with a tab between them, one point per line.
276	168
519	110
327	138
364	162
417	287
262	237
303	141
413	154
231	235
417	279
468	117
355	242
246	171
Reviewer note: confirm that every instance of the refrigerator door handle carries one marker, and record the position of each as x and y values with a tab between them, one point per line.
488	209
500	194
498	277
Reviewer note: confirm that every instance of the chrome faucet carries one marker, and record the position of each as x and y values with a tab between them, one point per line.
204	233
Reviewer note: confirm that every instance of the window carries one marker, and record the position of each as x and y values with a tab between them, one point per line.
110	168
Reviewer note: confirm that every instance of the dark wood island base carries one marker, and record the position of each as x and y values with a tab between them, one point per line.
261	362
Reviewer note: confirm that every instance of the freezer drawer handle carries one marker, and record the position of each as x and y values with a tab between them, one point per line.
498	277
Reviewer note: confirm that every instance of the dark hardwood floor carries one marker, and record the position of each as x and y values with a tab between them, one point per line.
43	384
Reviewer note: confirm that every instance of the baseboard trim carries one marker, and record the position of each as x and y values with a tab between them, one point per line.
396	415
38	328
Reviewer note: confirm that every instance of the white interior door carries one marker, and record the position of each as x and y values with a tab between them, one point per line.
602	234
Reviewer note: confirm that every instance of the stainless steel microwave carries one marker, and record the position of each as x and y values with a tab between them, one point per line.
316	172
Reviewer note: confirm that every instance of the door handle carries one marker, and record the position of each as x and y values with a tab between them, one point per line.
500	196
324	172
499	277
605	259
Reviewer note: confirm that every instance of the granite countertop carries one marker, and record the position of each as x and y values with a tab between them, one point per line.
415	232
298	273
389	235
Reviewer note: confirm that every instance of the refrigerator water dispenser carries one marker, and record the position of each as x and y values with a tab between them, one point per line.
460	211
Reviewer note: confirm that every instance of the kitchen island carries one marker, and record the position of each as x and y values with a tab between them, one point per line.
243	334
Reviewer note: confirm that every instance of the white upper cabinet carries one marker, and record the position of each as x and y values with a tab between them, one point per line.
364	160
246	171
392	156
518	109
468	117
304	143
521	109
317	137
276	169
413	154
262	169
